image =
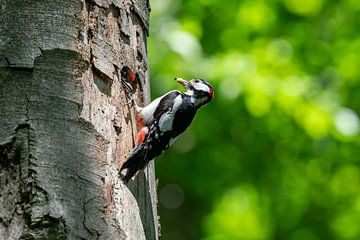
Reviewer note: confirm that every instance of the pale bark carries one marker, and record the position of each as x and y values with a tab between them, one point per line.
64	126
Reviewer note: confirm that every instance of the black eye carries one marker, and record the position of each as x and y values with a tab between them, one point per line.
197	81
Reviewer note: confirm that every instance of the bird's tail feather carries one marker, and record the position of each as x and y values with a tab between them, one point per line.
136	161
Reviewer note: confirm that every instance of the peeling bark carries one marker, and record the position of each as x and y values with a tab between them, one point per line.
65	128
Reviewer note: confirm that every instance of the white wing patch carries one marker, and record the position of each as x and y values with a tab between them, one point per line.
166	120
147	112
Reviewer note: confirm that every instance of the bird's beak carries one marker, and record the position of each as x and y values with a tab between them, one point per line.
183	82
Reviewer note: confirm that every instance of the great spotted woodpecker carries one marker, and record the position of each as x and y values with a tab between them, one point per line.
163	120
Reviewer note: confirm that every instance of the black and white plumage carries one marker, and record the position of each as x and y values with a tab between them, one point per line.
163	120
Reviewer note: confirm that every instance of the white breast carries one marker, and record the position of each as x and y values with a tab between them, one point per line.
148	111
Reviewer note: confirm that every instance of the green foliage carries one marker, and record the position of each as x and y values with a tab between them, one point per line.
276	155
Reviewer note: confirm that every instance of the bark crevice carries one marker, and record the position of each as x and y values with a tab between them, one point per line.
24	202
66	129
92	231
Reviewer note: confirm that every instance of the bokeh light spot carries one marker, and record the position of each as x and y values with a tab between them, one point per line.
255	14
346	225
347	122
293	86
304	7
239	214
230	88
279	51
184	43
349	66
186	142
315	120
346	181
171	196
318	171
258	104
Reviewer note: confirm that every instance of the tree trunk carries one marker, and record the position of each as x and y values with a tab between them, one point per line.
65	128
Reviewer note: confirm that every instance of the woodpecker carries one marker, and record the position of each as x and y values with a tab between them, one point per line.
163	120
130	81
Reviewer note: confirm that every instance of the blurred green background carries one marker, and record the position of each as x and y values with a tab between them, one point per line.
276	155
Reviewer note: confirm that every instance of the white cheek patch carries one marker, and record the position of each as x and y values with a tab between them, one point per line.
201	87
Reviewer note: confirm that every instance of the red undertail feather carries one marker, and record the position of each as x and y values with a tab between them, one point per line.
142	135
139	121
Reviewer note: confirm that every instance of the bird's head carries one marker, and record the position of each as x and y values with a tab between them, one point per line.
201	91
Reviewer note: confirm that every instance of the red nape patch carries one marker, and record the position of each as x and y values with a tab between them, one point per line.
132	75
139	121
142	135
212	92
